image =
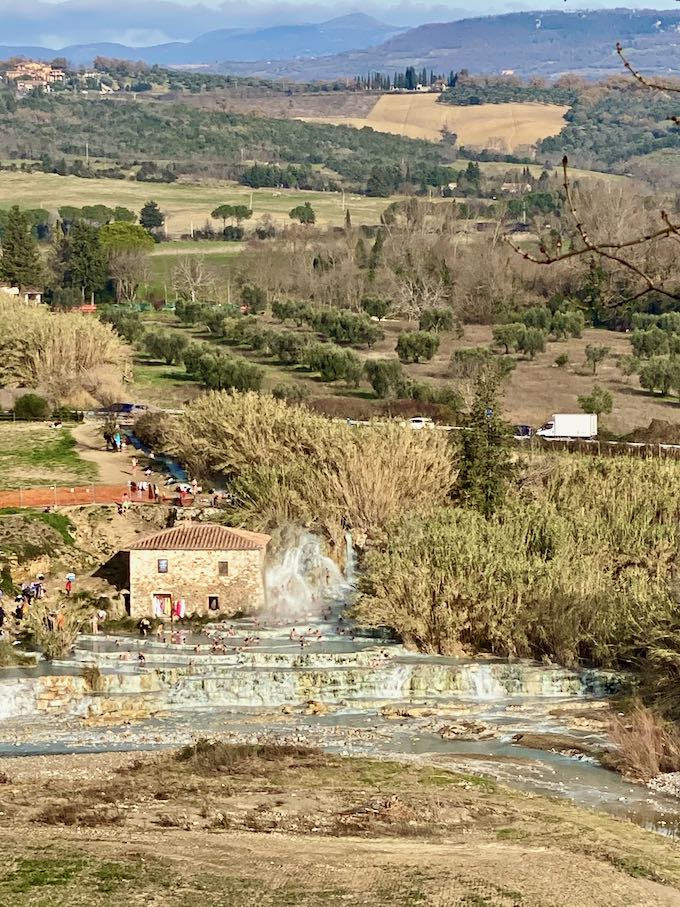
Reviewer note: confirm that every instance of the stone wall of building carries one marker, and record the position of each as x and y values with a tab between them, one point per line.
194	576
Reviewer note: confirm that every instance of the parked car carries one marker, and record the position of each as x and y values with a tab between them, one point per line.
419	422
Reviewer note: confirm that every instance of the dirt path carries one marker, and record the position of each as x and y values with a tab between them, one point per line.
113	468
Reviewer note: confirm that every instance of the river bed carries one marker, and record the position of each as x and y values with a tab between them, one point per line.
346	693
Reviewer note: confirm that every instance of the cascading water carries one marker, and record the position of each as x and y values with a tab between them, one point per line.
302	579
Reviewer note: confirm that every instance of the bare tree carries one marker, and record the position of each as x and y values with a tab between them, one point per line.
646	256
191	278
129	269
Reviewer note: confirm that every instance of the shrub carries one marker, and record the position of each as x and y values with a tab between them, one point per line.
532	341
167	346
472	362
562	360
63	352
375	307
385	376
509	336
254	298
539	317
127	324
662	374
32	407
599	401
303	213
291	393
288	346
646	744
653	342
217	370
55	642
416	346
569	323
570	569
345	327
440	320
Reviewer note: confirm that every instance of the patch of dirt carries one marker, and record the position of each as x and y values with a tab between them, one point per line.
658	431
267	826
113	468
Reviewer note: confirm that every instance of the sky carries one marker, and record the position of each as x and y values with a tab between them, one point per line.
56	23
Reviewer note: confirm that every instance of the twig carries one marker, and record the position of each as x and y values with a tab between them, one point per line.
642	79
611	251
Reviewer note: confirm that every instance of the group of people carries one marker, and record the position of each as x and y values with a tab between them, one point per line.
29	593
115	440
305	638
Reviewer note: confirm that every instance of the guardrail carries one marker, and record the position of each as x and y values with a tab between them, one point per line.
604	448
59	416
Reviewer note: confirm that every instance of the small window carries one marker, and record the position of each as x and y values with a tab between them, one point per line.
213	603
162	565
224	568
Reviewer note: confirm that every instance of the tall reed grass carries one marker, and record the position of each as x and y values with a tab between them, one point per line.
285	464
579	565
70	358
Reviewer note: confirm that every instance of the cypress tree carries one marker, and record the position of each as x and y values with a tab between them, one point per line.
20	264
485	465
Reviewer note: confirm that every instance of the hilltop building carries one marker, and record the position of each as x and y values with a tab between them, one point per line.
30	74
203	568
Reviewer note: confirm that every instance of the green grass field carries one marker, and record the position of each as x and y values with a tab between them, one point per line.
184	204
33	454
165	257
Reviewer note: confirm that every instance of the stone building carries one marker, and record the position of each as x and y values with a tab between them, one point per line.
201	567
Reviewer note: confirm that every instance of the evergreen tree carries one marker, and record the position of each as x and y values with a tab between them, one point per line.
485	464
84	259
20	265
151	217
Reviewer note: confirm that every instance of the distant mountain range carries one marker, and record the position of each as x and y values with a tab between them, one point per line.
545	43
283	42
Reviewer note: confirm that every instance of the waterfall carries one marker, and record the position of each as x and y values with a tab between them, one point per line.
302	579
482	682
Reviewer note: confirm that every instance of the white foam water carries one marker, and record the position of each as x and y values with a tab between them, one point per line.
302	580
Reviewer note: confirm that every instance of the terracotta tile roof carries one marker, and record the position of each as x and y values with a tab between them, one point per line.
202	537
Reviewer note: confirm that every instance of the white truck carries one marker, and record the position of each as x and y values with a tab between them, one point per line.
569	425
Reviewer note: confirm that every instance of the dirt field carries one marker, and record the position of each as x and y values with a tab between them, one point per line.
234	826
502	127
184	204
537	388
